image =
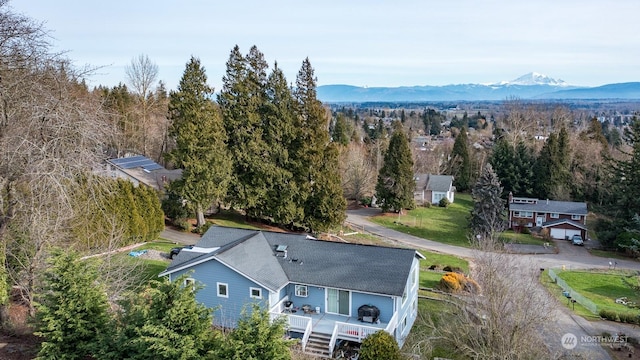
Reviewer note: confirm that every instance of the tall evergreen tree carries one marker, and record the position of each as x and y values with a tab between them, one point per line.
524	164
396	182
242	101
317	172
256	337
563	167
279	135
461	162
545	168
340	133
625	175
164	321
552	167
502	160
200	142
72	310
488	213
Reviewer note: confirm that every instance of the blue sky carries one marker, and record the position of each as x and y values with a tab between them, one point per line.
357	42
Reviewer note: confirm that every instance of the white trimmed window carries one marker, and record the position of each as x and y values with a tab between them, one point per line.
301	291
414	277
554	215
255	293
223	290
576	217
404	296
523	214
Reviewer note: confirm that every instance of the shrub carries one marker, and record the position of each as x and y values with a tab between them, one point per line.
623	317
526	231
607	314
449	268
365	201
444	202
380	345
202	229
182	224
427	204
628	318
452	281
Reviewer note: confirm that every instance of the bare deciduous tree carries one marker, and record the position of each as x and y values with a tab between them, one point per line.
142	73
51	135
359	174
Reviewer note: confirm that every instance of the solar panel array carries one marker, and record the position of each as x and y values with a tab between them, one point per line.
136	161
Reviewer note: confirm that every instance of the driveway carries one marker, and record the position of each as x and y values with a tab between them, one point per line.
569	256
179	237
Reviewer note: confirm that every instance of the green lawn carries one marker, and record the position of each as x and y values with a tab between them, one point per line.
431	278
604	287
519	238
609	254
446	225
556	291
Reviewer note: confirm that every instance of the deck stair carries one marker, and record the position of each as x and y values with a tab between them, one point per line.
318	345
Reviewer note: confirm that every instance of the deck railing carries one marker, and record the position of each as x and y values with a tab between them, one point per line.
352	332
393	322
296	323
307	333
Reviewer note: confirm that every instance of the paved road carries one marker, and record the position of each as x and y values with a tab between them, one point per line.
572	257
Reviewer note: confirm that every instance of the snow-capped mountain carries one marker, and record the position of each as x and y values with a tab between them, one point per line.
534	78
529	86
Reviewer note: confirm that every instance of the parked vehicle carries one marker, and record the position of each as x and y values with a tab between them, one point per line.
176	250
577	240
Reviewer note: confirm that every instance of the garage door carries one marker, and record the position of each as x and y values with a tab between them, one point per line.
563	233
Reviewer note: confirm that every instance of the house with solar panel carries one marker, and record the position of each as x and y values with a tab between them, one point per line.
141	170
328	292
433	188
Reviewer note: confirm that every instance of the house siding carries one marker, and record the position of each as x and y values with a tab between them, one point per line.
407	312
315	296
226	310
383	303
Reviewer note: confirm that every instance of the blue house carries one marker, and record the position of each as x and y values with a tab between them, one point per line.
327	291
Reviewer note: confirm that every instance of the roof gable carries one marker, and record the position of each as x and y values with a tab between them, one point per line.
440	183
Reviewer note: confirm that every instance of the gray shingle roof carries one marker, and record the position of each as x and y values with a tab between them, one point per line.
440	183
366	268
551	206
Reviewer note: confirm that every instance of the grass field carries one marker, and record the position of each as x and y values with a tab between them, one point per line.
519	238
446	225
430	278
556	291
604	287
610	254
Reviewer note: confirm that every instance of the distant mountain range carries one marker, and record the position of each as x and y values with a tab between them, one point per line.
531	86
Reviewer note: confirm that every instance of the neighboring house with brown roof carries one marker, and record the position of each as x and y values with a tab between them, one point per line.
563	219
432	188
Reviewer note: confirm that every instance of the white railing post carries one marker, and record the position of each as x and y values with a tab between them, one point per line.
334	338
307	333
